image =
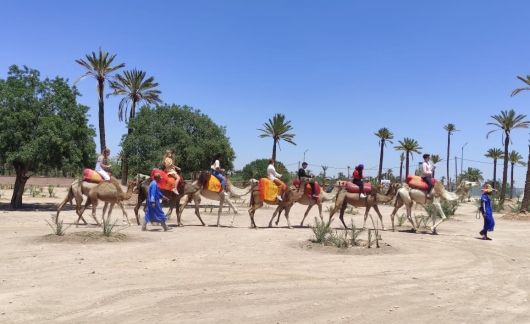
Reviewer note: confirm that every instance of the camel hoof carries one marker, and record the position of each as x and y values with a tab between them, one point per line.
433	230
289	227
383	228
276	223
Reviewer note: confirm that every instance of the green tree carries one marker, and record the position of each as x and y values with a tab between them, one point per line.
99	66
515	158
42	127
258	169
409	146
495	154
435	158
450	129
507	121
135	89
192	135
279	129
384	135
471	174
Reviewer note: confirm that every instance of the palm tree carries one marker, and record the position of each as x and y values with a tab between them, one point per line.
324	169
450	129
525	204
495	154
385	135
515	158
435	158
471	174
507	121
278	129
99	66
401	159
135	88
409	146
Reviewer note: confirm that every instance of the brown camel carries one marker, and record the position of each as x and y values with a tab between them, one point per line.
289	198
110	194
371	201
77	190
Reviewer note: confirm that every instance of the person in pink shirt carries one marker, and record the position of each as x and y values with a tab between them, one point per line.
427	169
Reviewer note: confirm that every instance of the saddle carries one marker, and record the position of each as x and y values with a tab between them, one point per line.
90	175
353	188
416	182
213	184
268	190
307	190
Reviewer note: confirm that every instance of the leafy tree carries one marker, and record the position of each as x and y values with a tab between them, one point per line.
471	174
42	127
507	121
258	169
278	129
99	66
135	89
409	146
515	158
495	154
450	129
192	135
384	135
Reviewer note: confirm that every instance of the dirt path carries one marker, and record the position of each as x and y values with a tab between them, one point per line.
234	275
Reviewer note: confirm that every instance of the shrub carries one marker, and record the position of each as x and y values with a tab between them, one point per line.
321	230
108	226
51	191
57	226
338	239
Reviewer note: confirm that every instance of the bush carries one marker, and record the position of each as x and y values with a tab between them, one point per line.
108	226
449	208
57	226
321	230
338	240
51	191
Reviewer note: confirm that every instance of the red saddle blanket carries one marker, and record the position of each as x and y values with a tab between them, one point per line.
417	182
92	176
307	190
166	182
353	188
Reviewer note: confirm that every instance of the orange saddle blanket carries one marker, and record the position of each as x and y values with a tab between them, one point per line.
417	182
92	176
268	190
166	182
353	188
213	184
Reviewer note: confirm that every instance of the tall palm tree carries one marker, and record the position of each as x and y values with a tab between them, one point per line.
409	146
401	160
135	89
385	135
277	128
525	204
324	169
435	158
99	66
471	174
495	154
450	129
515	158
507	121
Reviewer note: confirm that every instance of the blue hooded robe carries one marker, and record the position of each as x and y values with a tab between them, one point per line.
154	214
485	205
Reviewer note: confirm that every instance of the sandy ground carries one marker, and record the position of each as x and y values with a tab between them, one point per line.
200	274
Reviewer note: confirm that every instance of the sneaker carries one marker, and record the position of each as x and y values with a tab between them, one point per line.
175	191
279	198
363	195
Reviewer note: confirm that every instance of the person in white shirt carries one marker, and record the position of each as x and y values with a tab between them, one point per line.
217	171
101	167
427	169
273	175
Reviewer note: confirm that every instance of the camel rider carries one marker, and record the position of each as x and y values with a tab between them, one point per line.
171	169
273	176
426	175
153	209
217	171
358	179
101	167
304	176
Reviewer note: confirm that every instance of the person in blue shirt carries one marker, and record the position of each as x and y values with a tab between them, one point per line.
486	211
153	210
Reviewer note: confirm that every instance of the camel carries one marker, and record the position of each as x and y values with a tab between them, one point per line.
407	196
221	197
111	195
289	198
310	202
463	189
371	201
77	190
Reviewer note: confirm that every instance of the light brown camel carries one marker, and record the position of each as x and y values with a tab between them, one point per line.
310	202
289	198
463	189
408	196
77	190
111	195
371	201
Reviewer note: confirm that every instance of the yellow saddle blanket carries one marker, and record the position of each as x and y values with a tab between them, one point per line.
268	190
213	184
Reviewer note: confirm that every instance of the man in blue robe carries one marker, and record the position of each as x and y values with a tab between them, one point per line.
486	211
153	210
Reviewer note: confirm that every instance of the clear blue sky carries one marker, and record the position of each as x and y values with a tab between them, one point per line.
339	70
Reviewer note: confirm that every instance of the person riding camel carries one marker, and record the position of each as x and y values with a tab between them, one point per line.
101	165
217	171
427	169
358	179
171	169
305	177
273	175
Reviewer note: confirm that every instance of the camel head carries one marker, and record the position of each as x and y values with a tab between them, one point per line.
467	184
439	190
140	178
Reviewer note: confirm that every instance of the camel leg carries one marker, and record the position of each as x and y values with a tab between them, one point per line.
94	205
442	215
319	204
110	211
376	208
124	212
341	215
251	212
80	214
181	209
277	211
278	218
197	202
307	212
409	216
366	210
338	204
136	209
287	210
104	210
231	207
221	202
397	206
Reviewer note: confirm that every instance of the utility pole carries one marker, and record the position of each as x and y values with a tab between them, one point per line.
456	169
348	175
462	159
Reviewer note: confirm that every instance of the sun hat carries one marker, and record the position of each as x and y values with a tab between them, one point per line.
488	188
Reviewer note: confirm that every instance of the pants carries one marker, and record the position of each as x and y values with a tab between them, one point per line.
220	177
359	184
280	185
104	174
428	180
